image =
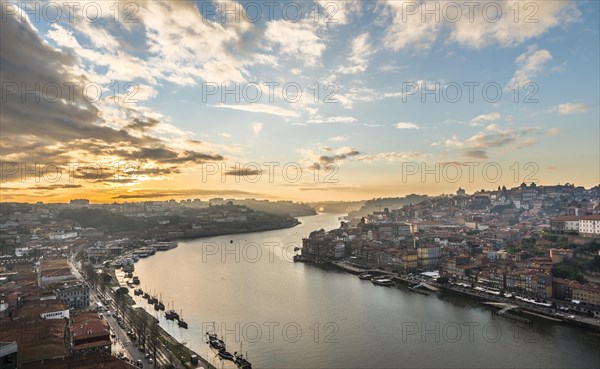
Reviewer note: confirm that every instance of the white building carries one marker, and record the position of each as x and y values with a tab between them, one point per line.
565	224
62	235
589	226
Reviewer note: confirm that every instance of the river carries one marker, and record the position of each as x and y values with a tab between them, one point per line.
295	315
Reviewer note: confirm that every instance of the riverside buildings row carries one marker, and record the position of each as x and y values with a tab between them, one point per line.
503	239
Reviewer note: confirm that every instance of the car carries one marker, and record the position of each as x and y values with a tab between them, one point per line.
112	335
139	364
150	360
147	356
108	313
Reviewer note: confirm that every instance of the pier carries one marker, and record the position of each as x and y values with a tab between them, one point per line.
505	310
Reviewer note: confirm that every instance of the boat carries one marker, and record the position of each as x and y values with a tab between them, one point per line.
182	323
241	361
215	342
161	306
138	292
146	295
152	300
136	280
224	355
171	315
365	276
383	282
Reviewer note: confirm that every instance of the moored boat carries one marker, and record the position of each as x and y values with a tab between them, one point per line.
241	361
182	323
224	355
171	315
215	342
383	282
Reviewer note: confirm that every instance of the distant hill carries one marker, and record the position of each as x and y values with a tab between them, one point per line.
280	208
337	207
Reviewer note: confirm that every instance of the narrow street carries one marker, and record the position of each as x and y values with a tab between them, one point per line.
122	344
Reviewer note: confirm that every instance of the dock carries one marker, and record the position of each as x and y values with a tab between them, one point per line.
505	311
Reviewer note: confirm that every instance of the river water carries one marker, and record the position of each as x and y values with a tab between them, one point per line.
295	315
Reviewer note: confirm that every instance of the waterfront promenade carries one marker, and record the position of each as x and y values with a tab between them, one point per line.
546	313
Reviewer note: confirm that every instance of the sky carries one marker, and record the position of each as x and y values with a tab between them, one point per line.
295	100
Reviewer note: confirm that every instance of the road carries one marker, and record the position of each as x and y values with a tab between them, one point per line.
122	345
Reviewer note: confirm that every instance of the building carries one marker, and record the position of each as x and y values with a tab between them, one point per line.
88	331
558	255
79	202
564	224
59	236
565	289
429	256
54	271
74	295
589	226
8	355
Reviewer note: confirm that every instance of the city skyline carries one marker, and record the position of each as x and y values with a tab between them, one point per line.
135	101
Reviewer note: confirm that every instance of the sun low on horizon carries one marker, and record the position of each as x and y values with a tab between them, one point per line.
118	101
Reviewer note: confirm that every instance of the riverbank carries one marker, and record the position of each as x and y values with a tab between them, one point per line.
194	235
539	312
150	334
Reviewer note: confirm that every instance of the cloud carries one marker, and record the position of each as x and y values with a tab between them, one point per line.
418	25
476	154
158	193
366	94
257	128
359	57
571	108
393	156
43	188
331	120
339	139
328	159
485	118
552	132
530	65
338	12
407	125
296	40
534	19
408	31
494	137
259	108
76	129
244	172
316	160
225	134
